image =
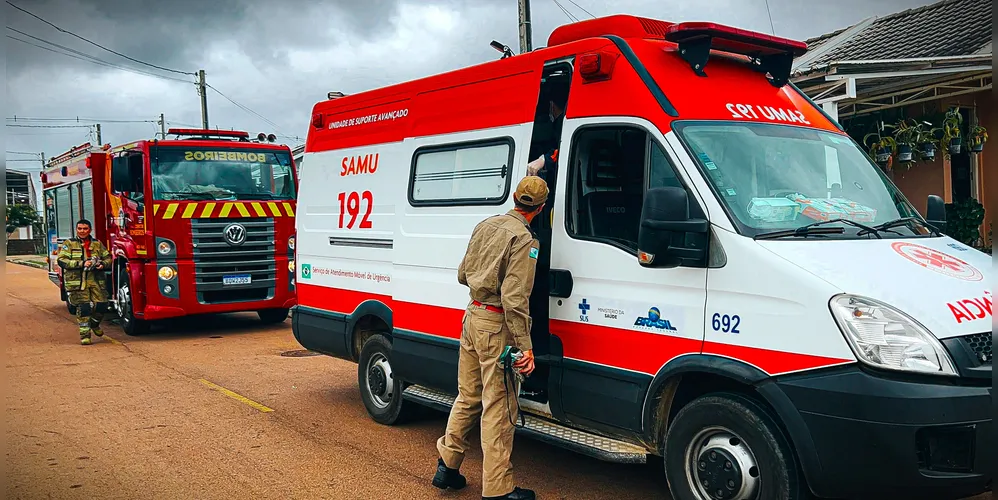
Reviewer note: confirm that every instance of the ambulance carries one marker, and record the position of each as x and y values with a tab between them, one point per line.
726	280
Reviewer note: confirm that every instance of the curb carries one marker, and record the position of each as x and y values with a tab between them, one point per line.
27	263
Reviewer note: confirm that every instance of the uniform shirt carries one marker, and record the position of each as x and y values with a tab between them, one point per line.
499	268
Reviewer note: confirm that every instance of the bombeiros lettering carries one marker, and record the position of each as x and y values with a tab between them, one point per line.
225	156
357	165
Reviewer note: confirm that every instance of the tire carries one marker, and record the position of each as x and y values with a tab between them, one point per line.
764	465
379	389
123	306
273	316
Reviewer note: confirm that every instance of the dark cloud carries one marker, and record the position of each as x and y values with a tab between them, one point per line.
279	57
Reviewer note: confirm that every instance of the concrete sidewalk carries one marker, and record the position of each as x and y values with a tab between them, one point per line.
36	261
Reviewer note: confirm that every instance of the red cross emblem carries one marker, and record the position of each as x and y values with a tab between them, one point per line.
937	261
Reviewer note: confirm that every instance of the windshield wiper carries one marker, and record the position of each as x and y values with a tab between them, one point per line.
244	196
192	194
901	221
813	228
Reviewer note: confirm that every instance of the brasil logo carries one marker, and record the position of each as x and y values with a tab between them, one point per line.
654	320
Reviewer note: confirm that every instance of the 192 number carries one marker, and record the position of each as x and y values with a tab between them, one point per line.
350	204
725	323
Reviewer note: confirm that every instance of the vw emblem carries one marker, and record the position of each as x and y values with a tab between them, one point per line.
235	234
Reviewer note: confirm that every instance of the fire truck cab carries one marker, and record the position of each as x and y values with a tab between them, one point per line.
726	279
199	222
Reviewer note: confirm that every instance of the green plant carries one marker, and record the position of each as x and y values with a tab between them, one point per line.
963	221
952	136
976	138
906	134
20	215
881	148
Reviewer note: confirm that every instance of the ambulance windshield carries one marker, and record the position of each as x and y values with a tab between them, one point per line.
779	177
220	173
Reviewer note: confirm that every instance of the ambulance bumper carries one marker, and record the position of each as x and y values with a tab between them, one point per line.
862	435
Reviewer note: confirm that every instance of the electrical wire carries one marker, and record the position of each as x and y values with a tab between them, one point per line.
77	119
98	61
47	126
583	9
567	13
21	153
99	45
244	108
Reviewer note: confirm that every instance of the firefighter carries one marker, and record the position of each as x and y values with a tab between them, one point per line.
83	260
498	268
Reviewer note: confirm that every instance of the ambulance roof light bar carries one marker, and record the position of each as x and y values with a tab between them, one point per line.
774	55
206	133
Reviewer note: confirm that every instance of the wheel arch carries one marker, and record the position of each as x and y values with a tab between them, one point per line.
371	317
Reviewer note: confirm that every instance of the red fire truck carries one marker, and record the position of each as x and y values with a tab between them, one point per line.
201	221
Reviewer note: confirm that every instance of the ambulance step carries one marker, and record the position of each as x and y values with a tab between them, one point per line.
586	443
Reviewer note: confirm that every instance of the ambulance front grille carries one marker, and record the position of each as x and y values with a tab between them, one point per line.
980	343
215	259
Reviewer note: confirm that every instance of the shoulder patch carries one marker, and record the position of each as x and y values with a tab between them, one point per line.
533	253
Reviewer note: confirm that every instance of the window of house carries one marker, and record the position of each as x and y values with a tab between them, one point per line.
470	173
612	167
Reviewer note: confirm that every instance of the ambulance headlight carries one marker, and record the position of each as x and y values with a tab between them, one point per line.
291	243
884	337
167	273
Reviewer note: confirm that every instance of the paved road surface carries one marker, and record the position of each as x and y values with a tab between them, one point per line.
211	409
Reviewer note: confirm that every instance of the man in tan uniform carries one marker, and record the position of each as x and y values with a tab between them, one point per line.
498	268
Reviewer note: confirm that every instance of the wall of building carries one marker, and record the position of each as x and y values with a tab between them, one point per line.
987	112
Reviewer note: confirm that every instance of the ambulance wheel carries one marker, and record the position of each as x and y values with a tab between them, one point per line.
123	306
726	446
272	316
379	389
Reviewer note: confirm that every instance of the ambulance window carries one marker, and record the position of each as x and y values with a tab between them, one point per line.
468	173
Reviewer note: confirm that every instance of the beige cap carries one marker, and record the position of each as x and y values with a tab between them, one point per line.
532	191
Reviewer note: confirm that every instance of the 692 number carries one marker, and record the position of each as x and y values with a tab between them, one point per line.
725	323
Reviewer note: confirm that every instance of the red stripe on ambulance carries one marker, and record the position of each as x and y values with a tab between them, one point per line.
614	347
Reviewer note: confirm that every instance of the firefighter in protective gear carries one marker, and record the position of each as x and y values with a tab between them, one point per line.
498	268
84	260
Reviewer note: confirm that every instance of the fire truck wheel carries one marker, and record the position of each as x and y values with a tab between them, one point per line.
123	306
727	446
272	316
379	389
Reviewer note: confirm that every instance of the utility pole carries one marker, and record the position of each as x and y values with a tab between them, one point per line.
203	90
162	126
99	143
526	35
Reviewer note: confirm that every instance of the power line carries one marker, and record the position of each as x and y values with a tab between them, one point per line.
21	153
769	11
244	108
583	9
97	44
77	119
567	13
47	126
94	60
83	56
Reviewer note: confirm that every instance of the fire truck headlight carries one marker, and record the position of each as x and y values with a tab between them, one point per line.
167	273
164	247
291	243
168	289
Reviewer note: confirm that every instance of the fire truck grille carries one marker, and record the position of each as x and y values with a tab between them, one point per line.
234	273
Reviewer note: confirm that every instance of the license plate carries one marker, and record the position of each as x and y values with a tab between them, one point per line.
237	279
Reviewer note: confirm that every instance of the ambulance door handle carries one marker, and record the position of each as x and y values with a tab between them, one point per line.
560	283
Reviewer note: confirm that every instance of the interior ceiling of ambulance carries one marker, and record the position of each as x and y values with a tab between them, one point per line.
267	62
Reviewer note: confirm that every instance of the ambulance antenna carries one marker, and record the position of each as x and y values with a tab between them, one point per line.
506	51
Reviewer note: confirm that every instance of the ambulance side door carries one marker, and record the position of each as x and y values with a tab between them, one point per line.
618	322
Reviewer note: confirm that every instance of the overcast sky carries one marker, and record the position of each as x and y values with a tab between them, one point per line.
278	57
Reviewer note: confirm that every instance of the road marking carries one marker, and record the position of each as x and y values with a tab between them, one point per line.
237	397
108	337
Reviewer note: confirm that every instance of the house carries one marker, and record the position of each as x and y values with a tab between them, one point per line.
913	67
21	191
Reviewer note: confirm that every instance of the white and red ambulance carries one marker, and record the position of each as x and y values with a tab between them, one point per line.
725	279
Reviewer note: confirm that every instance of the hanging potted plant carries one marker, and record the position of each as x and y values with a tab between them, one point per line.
881	148
905	136
976	139
926	140
952	140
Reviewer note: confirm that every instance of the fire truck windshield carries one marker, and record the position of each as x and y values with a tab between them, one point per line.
220	173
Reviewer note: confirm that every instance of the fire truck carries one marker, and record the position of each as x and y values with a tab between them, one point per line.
198	222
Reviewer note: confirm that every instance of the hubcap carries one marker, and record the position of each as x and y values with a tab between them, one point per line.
721	466
124	302
380	384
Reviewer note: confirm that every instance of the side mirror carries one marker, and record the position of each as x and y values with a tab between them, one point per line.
936	212
665	215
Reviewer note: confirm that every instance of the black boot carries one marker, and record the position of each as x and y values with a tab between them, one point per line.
517	494
448	478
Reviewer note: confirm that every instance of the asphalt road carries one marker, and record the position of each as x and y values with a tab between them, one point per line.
210	408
